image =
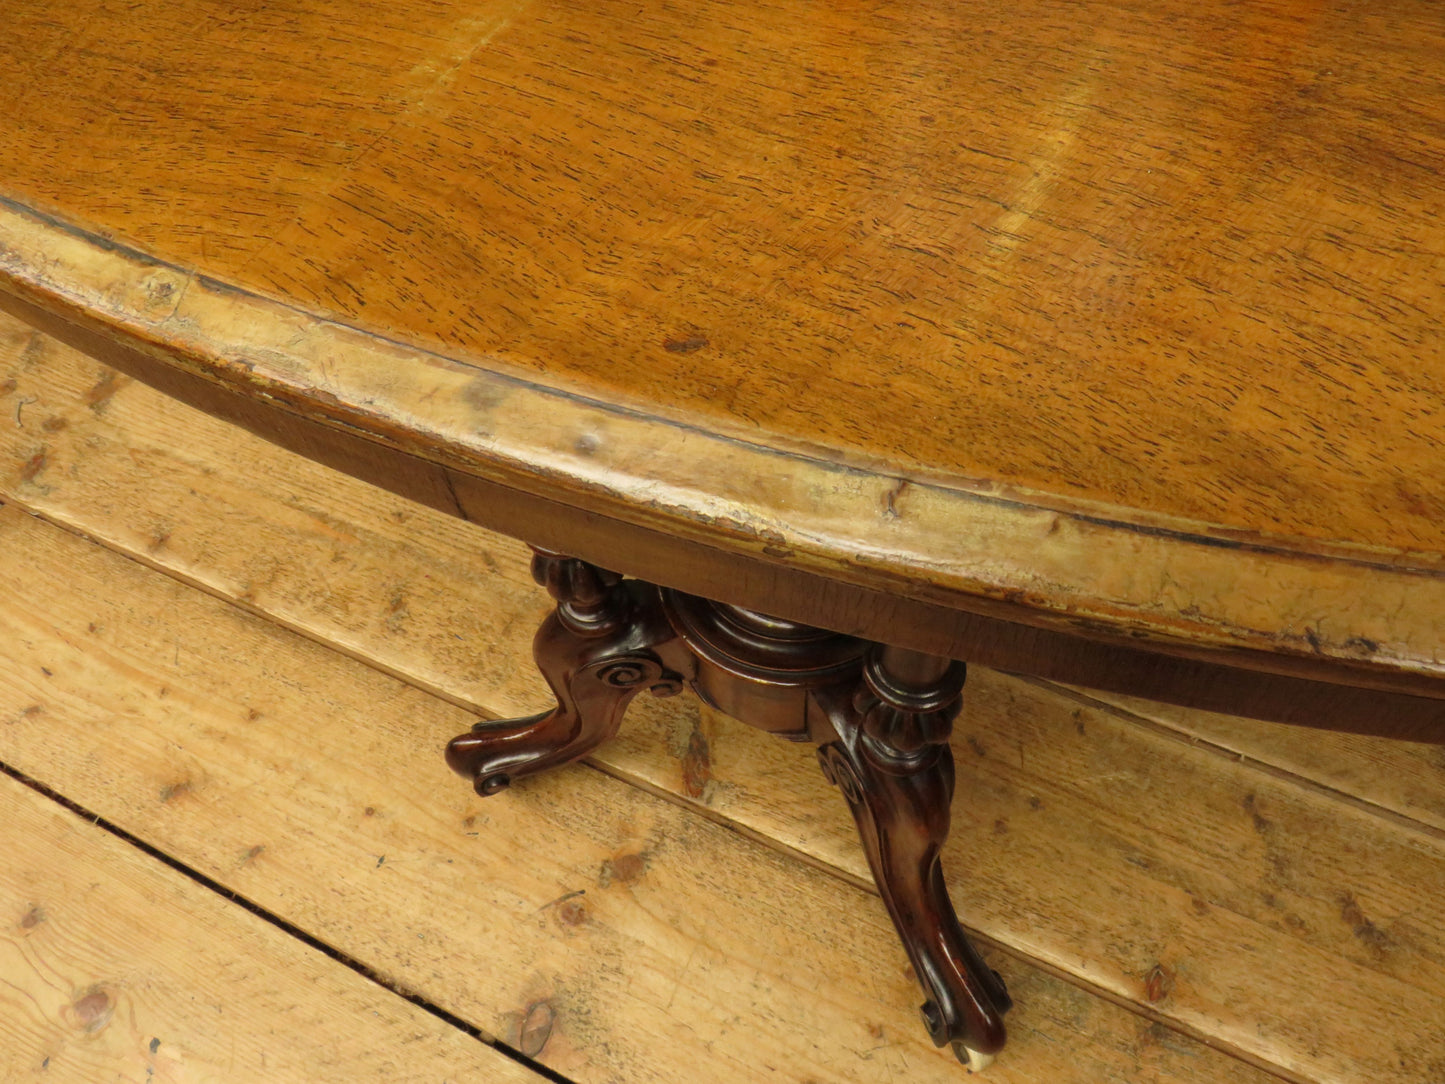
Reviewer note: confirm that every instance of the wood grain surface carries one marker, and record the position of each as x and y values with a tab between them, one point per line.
1200	868
1174	258
114	967
1065	306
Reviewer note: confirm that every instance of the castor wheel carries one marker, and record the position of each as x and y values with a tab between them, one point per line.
976	1060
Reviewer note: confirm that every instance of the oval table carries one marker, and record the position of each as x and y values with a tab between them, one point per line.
814	348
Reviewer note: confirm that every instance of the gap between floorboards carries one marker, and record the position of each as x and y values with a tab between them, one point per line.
288	928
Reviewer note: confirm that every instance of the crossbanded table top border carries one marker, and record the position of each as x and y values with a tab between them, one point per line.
1371	615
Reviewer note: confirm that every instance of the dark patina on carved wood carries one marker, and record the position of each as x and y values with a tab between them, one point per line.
880	716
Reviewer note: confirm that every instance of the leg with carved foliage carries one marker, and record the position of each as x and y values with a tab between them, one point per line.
884	743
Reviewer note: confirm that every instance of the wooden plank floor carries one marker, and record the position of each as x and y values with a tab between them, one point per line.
115	966
244	666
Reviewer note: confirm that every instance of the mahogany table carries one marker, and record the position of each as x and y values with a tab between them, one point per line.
814	346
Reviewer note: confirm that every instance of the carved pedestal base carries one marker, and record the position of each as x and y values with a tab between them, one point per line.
880	716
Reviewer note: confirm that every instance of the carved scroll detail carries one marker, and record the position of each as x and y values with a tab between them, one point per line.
890	757
597	650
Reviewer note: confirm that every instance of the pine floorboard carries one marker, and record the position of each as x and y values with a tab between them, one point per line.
114	966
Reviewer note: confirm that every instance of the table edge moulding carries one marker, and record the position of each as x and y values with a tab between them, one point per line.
1284	630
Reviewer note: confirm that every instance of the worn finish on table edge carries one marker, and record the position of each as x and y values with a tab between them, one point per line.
1206	620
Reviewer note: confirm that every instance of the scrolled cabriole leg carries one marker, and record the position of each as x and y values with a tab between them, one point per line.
606	641
881	717
884	743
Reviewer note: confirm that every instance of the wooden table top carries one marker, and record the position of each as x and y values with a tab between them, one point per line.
1117	317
